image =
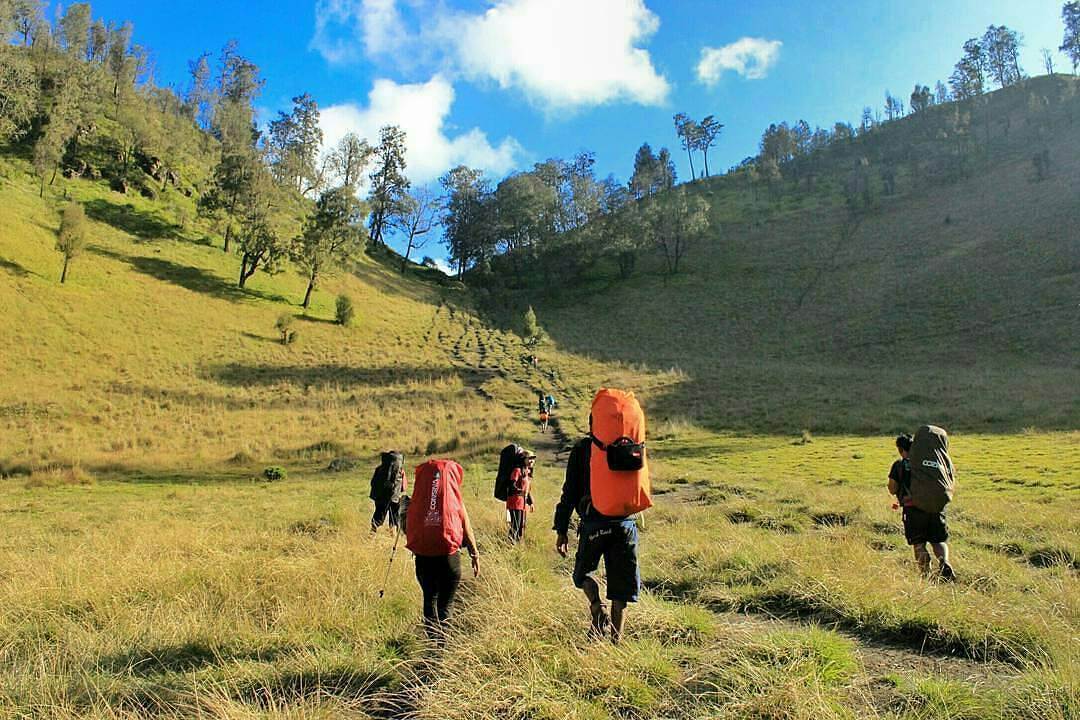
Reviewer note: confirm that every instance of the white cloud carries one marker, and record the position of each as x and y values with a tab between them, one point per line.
750	57
421	110
560	53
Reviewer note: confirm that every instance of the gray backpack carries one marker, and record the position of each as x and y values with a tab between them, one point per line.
933	478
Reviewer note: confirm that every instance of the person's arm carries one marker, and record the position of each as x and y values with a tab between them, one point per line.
572	491
470	541
894	481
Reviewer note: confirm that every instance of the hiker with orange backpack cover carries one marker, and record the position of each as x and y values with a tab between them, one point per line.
437	526
607	483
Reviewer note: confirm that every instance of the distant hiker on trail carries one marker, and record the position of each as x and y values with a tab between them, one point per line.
541	405
924	484
607	482
549	402
544	417
519	497
437	526
387	487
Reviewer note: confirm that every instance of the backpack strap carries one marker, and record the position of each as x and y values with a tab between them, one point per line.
596	441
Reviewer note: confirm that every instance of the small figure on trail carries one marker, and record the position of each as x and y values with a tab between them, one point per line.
519	500
549	402
544	416
437	526
607	483
924	481
387	487
540	404
535	361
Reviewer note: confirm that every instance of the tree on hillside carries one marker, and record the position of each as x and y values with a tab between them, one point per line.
1048	61
333	235
294	142
620	227
467	239
650	176
348	159
894	108
419	216
260	244
708	133
675	222
968	79
19	94
99	42
29	19
1002	48
119	60
530	328
1070	44
941	93
388	181
866	121
75	27
921	98
199	102
524	206
71	239
688	131
62	123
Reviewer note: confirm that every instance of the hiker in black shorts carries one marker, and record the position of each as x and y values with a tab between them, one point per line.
920	526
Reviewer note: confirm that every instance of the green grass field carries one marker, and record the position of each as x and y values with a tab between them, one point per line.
147	569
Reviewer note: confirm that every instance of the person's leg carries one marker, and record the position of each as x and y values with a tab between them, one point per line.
922	557
393	509
623	573
427	577
586	562
514	533
379	516
449	580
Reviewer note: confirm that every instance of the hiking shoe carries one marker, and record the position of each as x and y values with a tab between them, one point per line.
947	573
599	621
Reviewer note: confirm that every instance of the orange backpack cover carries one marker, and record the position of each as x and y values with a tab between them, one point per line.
617	493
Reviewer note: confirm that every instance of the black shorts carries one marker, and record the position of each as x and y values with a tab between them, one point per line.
923	527
616	541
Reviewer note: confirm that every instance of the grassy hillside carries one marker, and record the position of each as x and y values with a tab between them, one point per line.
952	300
147	571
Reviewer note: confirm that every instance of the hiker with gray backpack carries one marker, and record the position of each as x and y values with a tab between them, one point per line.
387	489
924	481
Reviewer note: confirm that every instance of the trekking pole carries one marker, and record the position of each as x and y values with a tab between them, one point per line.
393	552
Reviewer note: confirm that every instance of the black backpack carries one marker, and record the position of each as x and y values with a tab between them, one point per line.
512	456
385	482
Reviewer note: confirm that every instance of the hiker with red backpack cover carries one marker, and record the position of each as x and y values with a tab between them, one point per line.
607	483
437	526
519	500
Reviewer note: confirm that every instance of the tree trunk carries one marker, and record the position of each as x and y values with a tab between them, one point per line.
690	155
228	232
41	191
405	260
310	287
705	154
243	271
63	273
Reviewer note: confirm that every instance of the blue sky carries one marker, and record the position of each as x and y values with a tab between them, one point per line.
504	83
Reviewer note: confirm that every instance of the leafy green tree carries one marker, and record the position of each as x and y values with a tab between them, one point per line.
648	177
71	240
467	193
260	243
63	118
1070	44
418	217
530	328
941	93
1002	47
348	159
388	181
708	133
921	98
98	47
969	77
333	235
294	142
687	130
19	94
29	19
284	327
75	27
675	221
120	62
200	96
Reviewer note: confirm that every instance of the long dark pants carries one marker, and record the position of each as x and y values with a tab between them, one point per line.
517	525
384	510
439	577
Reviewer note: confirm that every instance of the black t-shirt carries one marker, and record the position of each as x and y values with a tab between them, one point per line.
900	473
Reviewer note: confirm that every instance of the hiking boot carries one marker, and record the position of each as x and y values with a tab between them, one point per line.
947	573
600	621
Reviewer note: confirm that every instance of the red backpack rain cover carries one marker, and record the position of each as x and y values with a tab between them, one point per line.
435	522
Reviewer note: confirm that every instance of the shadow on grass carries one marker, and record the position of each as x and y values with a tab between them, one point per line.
240	375
14	268
188	656
141	224
316	320
179	476
187	277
